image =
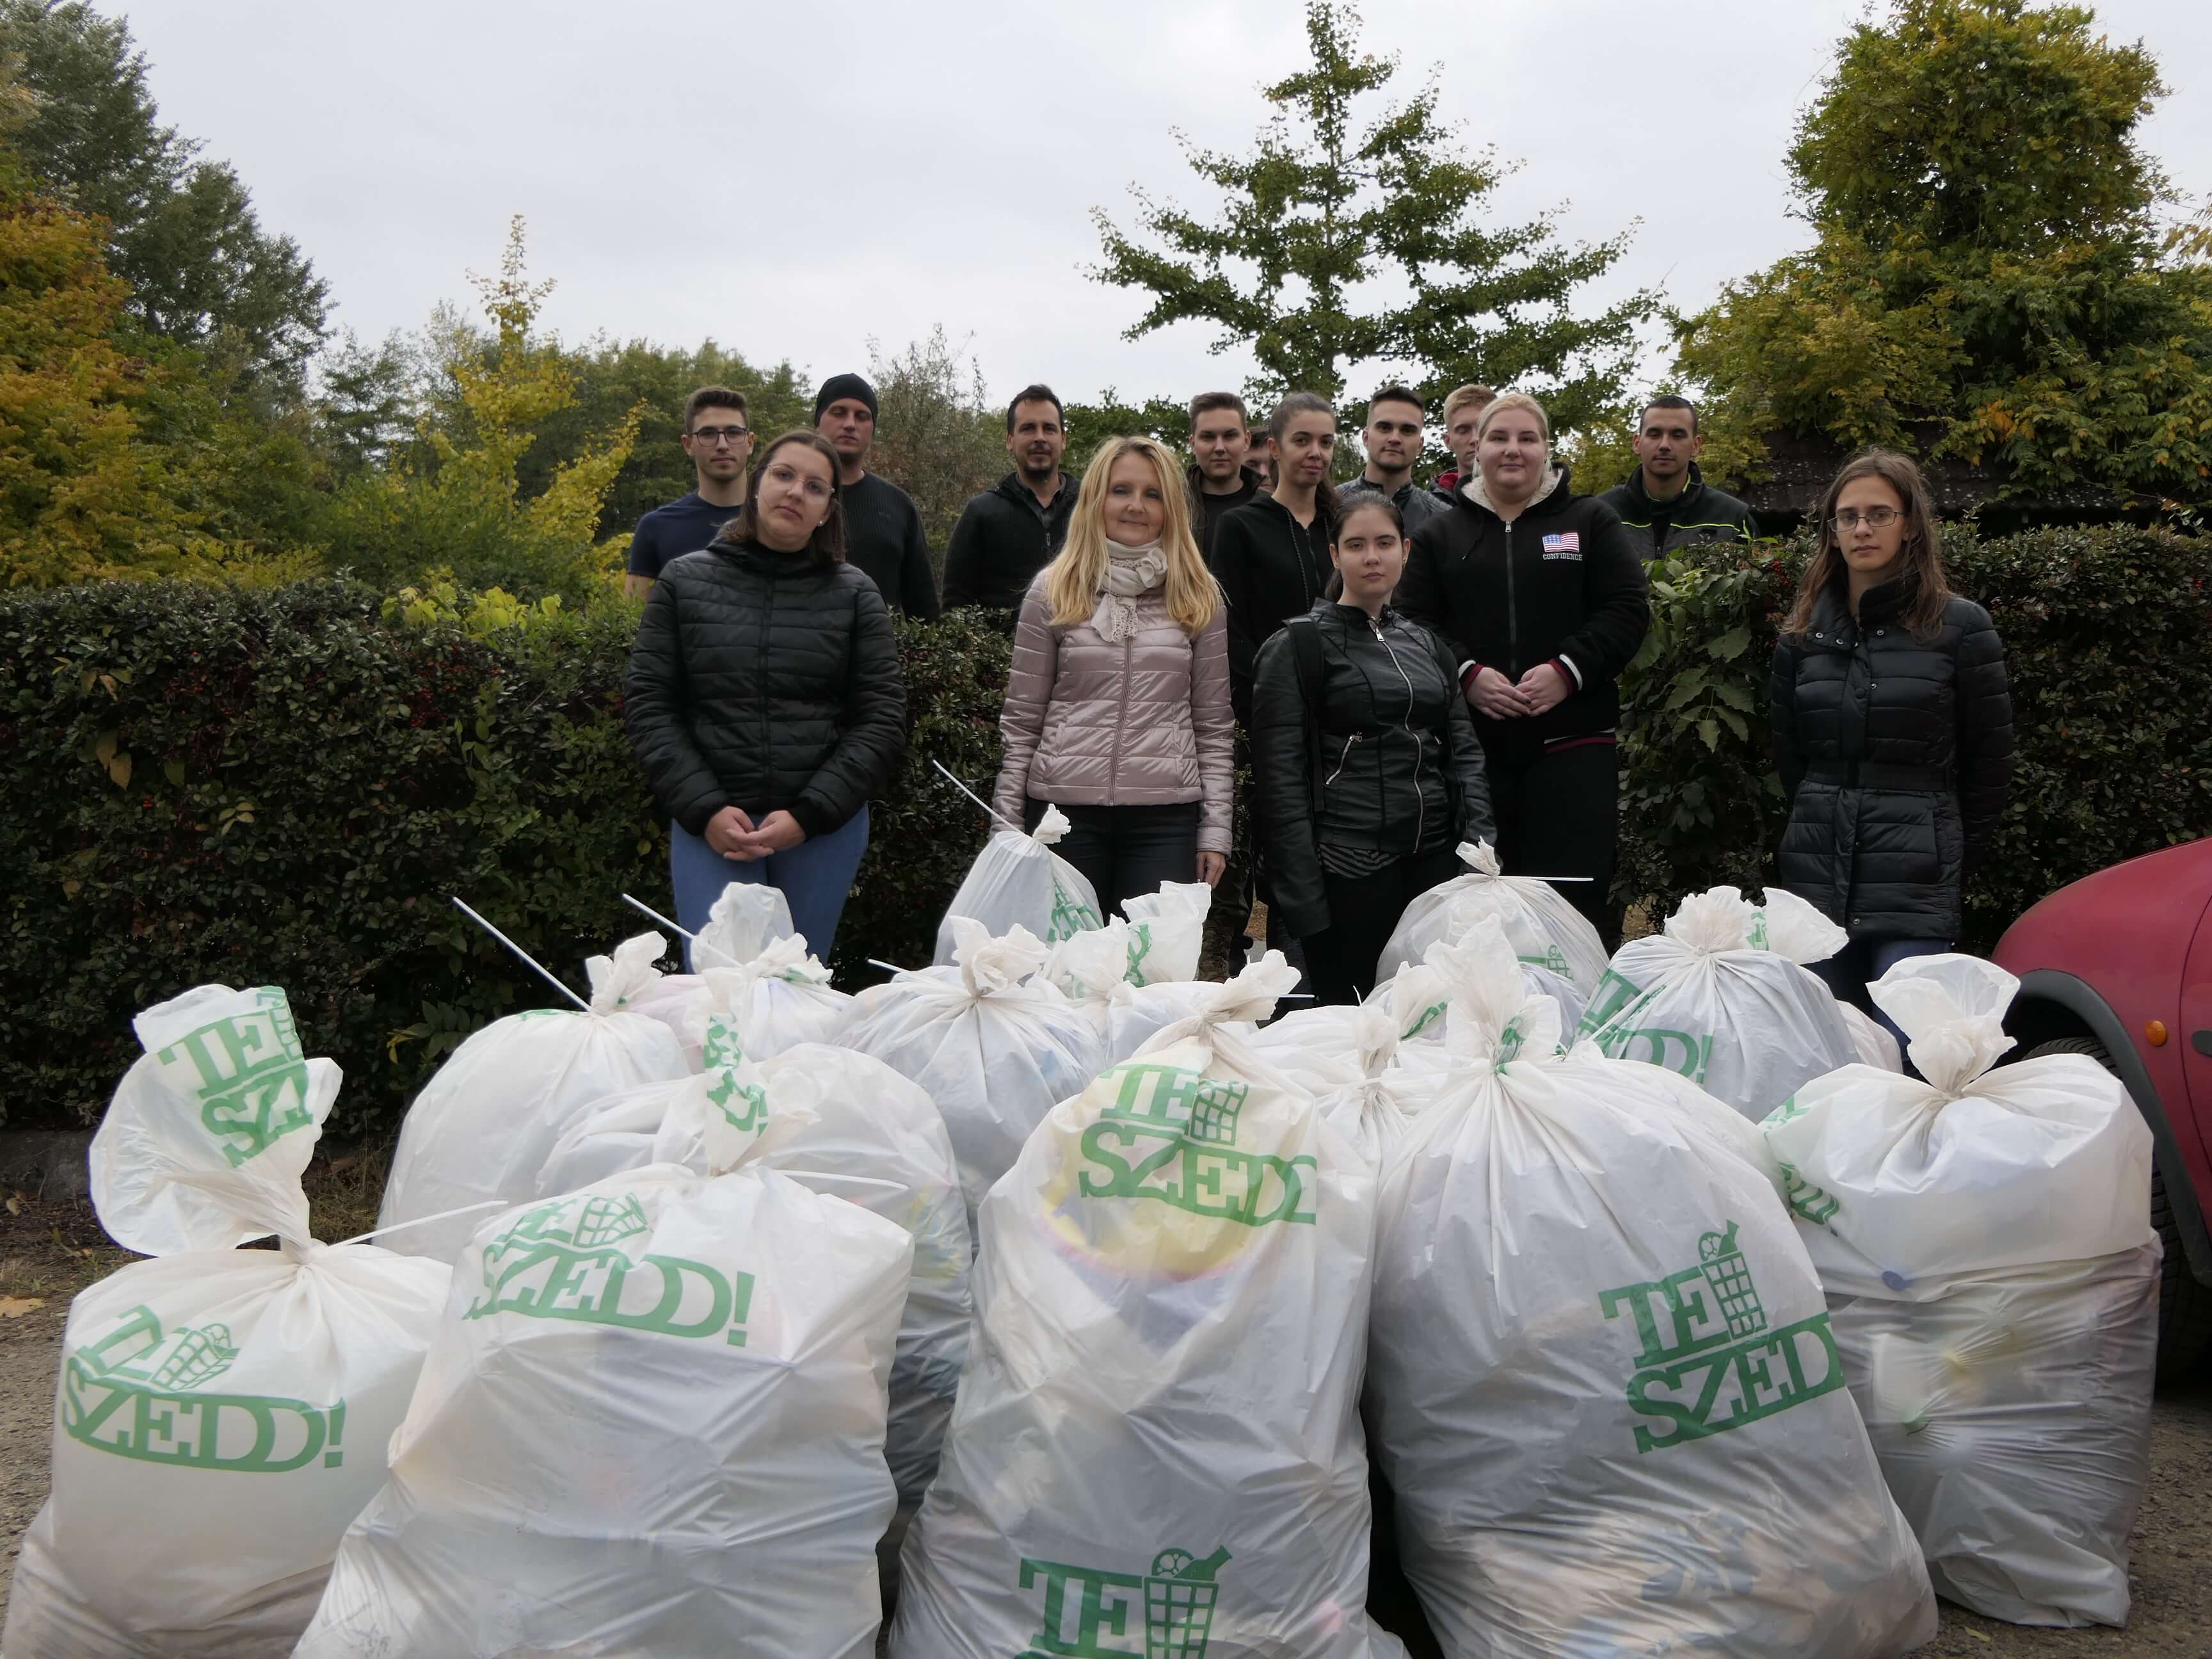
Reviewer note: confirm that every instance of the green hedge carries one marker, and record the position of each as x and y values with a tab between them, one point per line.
284	787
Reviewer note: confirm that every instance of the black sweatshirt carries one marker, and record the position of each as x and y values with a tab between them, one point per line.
1207	511
1270	568
1004	537
883	540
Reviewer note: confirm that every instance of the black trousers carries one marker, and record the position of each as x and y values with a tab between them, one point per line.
1362	912
1558	814
1126	851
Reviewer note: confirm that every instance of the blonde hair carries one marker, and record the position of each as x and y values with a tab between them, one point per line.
1515	400
1075	579
1461	396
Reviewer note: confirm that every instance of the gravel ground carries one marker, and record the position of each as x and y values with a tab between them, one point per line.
47	1251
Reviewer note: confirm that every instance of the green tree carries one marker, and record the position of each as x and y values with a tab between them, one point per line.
939	435
183	231
454	504
1091	424
1991	280
1344	246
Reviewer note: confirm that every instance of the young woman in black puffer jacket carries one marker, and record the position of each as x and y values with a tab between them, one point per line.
1892	726
1366	770
764	700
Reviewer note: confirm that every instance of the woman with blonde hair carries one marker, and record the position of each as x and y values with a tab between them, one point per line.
1892	726
1117	709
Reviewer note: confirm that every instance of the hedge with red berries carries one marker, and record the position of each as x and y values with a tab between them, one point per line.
284	787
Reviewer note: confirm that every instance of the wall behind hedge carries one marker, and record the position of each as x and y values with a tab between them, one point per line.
284	787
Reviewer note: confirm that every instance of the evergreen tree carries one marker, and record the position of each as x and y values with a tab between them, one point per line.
1329	218
1991	280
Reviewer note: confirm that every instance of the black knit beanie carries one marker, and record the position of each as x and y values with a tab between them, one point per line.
843	386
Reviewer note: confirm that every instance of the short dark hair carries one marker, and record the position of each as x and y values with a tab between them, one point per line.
712	397
1206	401
1669	400
1396	393
827	544
1039	393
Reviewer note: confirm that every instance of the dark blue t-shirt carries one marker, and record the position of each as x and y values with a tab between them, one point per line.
668	533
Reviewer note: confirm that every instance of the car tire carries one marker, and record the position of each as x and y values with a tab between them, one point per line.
2184	1307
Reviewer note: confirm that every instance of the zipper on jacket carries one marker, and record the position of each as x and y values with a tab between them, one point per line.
1421	807
1340	761
1121	726
1512	611
767	747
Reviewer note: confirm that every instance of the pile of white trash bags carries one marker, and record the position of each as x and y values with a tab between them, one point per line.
1018	882
1544	930
749	932
222	1413
1985	1238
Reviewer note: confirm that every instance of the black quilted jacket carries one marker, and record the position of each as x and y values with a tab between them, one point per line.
1897	753
761	681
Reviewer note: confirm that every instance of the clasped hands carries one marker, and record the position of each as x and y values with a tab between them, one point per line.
1542	688
735	836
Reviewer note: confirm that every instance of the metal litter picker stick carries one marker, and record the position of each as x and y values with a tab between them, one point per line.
973	796
639	905
524	954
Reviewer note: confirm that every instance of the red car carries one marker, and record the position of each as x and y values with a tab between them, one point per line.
2119	966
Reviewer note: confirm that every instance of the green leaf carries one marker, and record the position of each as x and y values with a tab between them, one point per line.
1732	644
1710	732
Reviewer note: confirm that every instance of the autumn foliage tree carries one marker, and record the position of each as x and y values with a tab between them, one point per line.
1991	280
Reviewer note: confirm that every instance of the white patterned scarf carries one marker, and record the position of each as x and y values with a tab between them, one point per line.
1131	572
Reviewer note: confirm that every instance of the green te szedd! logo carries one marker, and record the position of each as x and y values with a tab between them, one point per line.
248	1073
1607	1020
1170	1135
559	1261
135	1394
1708	1363
1088	1611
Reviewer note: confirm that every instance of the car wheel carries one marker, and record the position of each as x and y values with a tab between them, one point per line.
2184	1307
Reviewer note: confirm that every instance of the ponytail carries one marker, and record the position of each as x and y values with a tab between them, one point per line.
1327	503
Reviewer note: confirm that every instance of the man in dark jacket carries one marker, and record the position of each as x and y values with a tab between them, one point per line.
1221	476
883	526
1557	588
1393	438
718	437
1666	504
1011	532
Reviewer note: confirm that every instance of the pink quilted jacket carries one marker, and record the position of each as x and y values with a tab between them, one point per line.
1143	723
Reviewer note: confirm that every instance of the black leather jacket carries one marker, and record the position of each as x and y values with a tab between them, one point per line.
763	681
1401	767
1897	753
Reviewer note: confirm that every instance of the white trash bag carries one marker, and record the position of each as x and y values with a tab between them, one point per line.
1600	1377
1746	1025
1984	1237
652	1423
749	932
1544	928
222	1413
1157	1448
481	1126
1090	969
1019	881
991	1040
1422	990
850	1127
1167	933
1790	927
1398	1077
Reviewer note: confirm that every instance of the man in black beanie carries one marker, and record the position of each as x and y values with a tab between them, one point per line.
883	527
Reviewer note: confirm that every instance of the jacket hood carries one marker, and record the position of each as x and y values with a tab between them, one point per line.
1553	492
1634	484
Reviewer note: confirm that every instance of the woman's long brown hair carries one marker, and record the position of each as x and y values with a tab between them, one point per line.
1920	554
827	544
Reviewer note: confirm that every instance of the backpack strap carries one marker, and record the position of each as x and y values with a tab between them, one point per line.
1306	654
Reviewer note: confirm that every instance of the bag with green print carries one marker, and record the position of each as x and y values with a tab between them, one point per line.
749	932
1157	1450
1744	1022
222	1413
1544	928
991	1041
1601	1380
652	1422
1019	881
1167	931
1790	927
1985	1241
853	1128
481	1128
1092	969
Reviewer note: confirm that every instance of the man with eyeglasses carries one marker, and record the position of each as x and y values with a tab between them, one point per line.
719	440
1393	437
1666	504
883	527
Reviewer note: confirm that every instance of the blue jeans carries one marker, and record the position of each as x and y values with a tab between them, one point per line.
814	878
1851	969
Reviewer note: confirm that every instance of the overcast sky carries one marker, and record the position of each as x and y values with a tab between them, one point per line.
795	179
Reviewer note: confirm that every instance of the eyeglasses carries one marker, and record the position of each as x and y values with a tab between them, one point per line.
714	434
1874	518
